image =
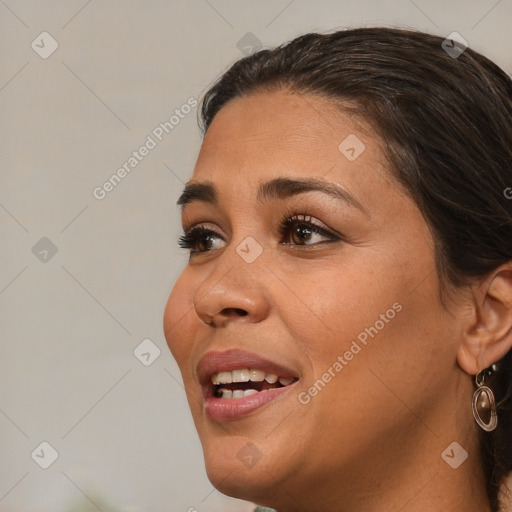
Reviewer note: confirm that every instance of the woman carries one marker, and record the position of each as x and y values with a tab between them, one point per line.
344	325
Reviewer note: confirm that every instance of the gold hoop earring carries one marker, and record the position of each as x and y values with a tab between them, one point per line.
484	404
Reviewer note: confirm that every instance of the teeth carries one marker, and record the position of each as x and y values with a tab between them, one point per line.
246	375
240	376
256	375
226	393
239	393
224	378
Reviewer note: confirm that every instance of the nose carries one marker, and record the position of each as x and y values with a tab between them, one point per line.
234	291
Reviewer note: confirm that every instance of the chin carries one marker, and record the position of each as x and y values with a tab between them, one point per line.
237	469
244	484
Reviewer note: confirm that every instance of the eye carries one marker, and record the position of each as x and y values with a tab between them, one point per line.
301	230
198	239
298	230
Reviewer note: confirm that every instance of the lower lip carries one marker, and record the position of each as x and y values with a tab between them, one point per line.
221	409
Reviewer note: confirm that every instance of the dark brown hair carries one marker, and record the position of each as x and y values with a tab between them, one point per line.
445	123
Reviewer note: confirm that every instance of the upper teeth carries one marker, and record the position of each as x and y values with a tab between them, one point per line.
246	375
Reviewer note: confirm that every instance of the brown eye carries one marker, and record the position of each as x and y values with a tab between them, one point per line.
302	231
301	234
299	230
198	239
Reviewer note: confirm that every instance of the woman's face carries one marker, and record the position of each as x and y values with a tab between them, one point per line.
335	290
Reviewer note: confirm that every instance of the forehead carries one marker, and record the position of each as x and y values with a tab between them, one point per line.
263	114
294	132
267	135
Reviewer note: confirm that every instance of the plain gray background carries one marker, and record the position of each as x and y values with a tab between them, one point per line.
72	320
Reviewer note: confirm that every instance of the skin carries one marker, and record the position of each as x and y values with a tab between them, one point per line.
372	439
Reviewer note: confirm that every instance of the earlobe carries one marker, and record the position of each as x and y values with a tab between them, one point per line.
489	336
467	357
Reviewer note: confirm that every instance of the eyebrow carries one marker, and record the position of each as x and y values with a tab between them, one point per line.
278	188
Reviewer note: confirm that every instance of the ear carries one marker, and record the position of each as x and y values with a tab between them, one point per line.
488	336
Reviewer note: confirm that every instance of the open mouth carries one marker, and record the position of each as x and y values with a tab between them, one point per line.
244	382
237	383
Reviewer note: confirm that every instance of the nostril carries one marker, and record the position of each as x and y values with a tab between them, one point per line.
237	311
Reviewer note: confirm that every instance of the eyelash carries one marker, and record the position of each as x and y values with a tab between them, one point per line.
190	238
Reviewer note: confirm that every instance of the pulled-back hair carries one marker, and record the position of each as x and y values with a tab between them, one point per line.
446	126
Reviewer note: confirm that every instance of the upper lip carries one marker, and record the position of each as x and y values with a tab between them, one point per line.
234	359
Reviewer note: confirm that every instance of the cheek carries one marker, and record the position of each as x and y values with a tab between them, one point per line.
393	341
179	317
330	304
374	315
